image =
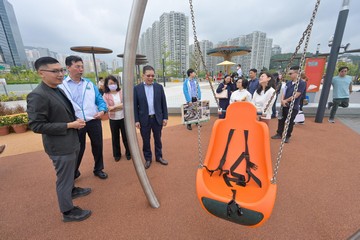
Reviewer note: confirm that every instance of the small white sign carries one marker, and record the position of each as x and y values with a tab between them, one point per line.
2	81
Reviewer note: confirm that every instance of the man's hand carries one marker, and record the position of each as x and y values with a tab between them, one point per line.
165	122
99	115
77	124
284	103
137	125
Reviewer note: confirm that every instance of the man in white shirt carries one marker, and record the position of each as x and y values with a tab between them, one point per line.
239	71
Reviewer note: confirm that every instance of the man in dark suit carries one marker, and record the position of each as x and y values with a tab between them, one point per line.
151	114
52	115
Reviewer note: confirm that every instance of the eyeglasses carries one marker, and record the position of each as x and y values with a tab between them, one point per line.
56	71
150	75
291	73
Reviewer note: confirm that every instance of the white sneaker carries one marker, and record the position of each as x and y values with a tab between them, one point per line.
331	120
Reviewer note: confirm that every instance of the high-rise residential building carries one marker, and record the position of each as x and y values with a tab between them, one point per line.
11	45
275	50
167	39
260	54
210	62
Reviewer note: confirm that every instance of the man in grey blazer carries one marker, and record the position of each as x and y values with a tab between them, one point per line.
52	115
151	114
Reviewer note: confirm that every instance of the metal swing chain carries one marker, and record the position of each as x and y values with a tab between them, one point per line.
306	33
198	54
197	46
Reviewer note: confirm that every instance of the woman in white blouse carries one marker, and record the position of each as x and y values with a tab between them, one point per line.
114	101
263	96
241	95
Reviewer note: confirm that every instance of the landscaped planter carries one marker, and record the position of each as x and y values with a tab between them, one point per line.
20	128
4	130
18	122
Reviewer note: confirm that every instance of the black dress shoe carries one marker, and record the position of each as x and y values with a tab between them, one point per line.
147	164
80	192
189	127
162	161
128	157
77	174
101	174
76	215
117	159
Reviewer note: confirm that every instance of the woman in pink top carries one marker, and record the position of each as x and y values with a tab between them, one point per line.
114	101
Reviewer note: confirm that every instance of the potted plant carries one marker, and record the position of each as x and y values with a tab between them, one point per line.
5	122
19	122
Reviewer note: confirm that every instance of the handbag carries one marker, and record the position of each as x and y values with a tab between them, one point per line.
222	95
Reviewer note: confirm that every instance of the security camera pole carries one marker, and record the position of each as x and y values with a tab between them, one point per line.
336	44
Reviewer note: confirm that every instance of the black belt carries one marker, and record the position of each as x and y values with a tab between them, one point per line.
152	116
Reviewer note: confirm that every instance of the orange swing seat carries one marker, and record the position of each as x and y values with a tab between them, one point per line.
235	180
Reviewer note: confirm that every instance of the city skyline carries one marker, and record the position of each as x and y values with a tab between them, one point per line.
105	23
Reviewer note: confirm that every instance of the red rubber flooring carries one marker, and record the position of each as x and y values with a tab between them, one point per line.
318	191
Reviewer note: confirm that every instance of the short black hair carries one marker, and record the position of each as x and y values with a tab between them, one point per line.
296	68
106	83
342	68
190	71
148	68
72	59
253	70
44	61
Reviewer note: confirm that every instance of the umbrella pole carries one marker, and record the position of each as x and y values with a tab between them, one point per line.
96	74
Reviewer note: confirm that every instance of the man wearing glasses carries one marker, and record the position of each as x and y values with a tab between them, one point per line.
51	114
151	114
286	99
89	106
342	87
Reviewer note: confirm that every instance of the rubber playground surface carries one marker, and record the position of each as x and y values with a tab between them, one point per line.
318	190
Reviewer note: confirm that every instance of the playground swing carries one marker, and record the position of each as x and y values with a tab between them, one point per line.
236	181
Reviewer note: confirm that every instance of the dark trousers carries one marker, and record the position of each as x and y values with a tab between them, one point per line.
116	126
338	102
281	122
64	167
193	100
94	129
223	103
146	133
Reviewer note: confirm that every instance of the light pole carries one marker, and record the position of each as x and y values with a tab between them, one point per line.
163	63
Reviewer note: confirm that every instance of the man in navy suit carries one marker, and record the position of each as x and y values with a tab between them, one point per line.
150	110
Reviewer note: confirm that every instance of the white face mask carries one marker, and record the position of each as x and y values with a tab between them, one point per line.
112	87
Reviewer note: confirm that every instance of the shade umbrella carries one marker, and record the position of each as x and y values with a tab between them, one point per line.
92	50
139	60
226	65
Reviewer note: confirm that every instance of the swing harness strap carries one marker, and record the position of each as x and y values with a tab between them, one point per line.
223	158
238	178
233	206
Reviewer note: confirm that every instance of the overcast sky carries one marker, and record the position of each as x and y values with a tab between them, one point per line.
61	24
